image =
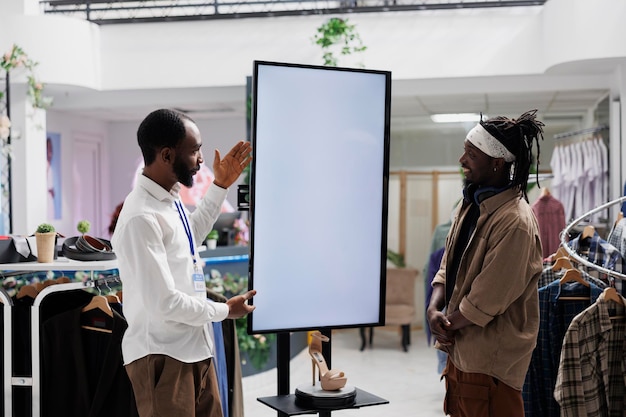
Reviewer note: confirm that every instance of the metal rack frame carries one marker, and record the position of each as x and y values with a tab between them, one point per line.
34	380
134	11
565	232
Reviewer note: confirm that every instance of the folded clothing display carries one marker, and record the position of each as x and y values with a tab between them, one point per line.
88	248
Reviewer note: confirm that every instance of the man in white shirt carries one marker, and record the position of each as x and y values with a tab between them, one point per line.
167	347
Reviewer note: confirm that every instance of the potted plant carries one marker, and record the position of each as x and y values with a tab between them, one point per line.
45	237
83	227
211	239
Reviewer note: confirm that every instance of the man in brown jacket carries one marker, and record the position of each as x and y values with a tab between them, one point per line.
487	282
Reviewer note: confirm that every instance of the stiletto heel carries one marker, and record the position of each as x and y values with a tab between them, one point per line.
331	380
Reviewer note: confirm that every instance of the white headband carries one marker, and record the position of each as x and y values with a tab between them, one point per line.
484	141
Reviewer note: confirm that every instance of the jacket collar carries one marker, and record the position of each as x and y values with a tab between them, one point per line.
477	195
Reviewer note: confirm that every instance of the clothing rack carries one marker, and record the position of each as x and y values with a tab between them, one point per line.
7	303
532	178
34	380
581	132
104	281
565	232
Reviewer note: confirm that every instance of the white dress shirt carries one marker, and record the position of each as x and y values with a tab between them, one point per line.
165	314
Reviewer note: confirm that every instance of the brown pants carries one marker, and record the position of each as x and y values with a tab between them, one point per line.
165	387
479	395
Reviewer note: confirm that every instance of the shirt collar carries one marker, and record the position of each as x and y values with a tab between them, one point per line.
157	191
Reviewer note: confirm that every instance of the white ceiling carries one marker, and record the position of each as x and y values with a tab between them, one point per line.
409	111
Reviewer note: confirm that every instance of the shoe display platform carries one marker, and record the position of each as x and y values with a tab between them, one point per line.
314	396
289	404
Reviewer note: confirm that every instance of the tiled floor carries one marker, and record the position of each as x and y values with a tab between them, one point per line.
408	380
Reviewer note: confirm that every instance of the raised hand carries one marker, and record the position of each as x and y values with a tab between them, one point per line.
228	169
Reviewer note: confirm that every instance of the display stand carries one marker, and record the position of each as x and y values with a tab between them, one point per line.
60	264
7	367
285	402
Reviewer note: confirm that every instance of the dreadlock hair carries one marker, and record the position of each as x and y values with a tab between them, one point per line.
517	135
163	128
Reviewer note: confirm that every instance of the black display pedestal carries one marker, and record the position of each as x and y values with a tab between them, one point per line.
285	402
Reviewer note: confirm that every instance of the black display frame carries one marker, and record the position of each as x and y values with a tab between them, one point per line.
381	81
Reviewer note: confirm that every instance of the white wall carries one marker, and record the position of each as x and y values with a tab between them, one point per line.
69	127
216	134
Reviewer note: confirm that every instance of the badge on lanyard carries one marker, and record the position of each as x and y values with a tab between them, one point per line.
198	282
197	278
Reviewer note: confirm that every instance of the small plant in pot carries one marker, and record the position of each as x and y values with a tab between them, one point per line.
211	239
83	227
45	237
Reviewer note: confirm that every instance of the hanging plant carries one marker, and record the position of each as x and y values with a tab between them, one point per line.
17	58
337	35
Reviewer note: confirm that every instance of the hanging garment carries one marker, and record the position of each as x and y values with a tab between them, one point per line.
556	313
601	253
569	181
617	236
232	360
580	177
550	215
434	263
604	176
591	381
548	276
82	370
578	172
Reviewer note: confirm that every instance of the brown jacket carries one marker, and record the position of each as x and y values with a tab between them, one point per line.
496	289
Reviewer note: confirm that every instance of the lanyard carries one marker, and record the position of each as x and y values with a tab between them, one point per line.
183	218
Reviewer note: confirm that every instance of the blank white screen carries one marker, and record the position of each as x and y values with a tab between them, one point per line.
318	199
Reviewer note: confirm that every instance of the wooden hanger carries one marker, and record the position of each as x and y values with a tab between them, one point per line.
573	275
620	216
560	252
545	192
112	298
610	293
48	282
562	263
63	280
28	291
588	231
100	303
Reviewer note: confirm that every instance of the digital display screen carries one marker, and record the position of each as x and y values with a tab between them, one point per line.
318	196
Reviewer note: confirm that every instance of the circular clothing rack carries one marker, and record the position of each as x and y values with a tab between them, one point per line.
565	232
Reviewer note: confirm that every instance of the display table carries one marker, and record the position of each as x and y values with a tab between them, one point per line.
286	404
61	264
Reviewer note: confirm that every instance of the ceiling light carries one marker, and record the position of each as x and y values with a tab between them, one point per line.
456	117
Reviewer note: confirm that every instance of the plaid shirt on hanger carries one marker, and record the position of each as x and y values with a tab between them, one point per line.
555	315
603	254
548	276
591	381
